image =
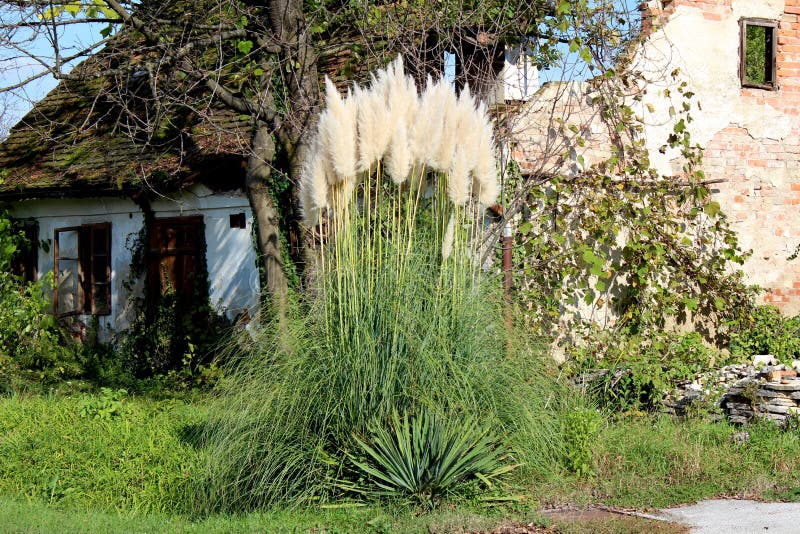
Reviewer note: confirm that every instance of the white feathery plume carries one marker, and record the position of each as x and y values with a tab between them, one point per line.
310	215
485	171
373	131
402	109
450	132
398	158
314	182
468	125
449	237
458	180
426	131
318	181
485	186
338	133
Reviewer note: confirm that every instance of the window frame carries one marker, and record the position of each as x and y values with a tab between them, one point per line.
772	27
87	257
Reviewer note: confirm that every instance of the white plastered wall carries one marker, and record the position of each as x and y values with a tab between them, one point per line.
704	53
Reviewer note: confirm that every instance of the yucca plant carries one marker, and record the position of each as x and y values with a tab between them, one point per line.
426	456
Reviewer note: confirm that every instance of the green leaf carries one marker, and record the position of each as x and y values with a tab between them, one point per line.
244	46
573	45
600	285
525	228
712	209
73	8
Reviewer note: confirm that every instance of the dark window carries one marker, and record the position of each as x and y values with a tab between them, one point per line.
759	50
25	263
82	265
173	255
238	220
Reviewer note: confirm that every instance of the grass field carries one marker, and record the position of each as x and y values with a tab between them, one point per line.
116	463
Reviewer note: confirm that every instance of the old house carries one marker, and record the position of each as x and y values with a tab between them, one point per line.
740	62
111	214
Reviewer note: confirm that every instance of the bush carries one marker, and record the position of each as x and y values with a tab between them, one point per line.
31	344
290	407
639	369
581	428
767	331
400	321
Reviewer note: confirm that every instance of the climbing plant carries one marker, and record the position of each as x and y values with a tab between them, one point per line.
617	241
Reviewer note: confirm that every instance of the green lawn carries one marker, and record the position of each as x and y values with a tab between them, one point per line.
92	463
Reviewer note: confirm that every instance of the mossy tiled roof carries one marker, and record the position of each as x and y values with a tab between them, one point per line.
77	141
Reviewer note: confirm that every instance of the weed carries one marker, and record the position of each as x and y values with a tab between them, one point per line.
581	427
106	406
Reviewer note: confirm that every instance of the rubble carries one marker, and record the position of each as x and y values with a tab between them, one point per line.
770	391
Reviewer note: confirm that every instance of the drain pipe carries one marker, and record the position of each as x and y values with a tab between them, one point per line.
507	258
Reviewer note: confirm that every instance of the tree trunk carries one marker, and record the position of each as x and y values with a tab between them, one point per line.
298	61
266	215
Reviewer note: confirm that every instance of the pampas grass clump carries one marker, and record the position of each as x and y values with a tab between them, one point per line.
402	321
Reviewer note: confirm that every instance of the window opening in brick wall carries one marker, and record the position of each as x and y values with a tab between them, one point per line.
82	265
759	50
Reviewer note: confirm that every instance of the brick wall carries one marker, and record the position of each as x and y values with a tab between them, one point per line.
762	192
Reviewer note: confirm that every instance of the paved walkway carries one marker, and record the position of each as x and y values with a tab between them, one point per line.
724	516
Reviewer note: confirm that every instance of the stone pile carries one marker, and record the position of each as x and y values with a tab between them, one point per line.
773	395
770	391
709	385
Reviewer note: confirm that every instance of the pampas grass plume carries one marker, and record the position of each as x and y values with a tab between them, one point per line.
398	158
337	131
451	135
389	121
458	181
373	132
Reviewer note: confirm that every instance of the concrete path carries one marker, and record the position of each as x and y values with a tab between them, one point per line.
725	516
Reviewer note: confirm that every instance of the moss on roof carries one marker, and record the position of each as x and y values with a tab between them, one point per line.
76	142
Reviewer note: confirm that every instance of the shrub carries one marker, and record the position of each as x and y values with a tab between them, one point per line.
581	428
427	456
31	344
766	331
640	368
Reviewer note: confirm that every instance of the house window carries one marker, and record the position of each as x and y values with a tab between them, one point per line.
759	50
25	262
174	254
82	265
238	220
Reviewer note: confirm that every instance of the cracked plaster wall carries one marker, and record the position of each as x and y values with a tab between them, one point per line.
751	136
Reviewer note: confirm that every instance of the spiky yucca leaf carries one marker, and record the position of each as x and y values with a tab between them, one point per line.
426	456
